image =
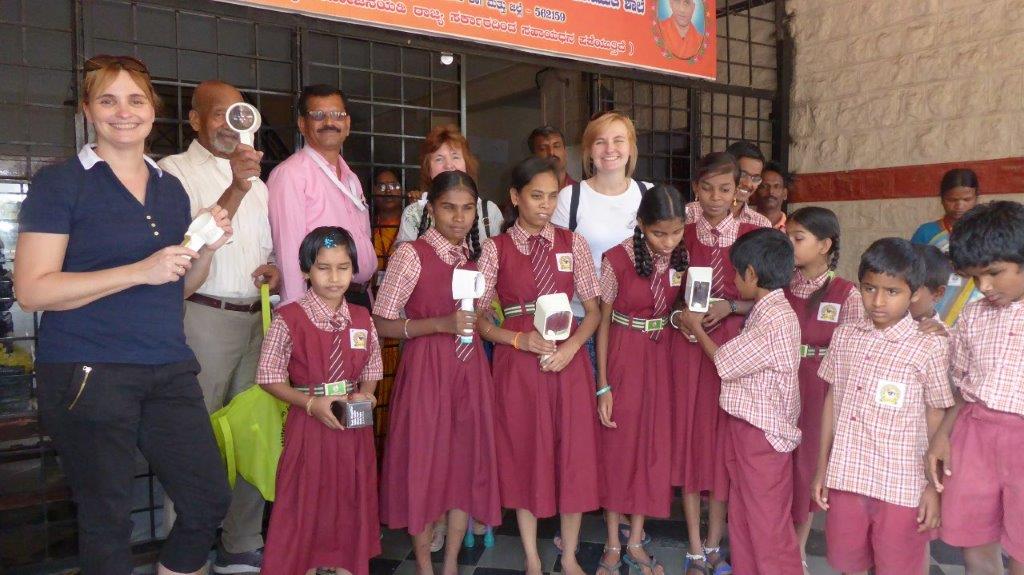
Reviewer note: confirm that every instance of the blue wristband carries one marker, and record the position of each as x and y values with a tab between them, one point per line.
603	390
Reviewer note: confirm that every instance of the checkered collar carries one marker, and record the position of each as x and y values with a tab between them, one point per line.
322	315
901	330
728	228
521	236
448	252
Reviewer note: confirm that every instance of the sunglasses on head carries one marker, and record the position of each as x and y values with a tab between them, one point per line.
126	62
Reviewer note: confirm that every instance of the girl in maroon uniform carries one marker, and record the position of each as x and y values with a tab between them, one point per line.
545	414
822	300
440	447
320	350
698	465
640	281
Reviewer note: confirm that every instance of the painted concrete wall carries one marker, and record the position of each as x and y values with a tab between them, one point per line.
880	85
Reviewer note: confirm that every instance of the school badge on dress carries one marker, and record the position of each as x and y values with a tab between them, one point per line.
357	338
564	262
675	277
890	394
829	312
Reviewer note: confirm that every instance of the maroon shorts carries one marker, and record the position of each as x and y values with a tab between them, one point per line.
983	501
864	532
762	538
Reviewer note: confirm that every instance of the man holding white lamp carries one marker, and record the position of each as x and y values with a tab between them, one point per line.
222	323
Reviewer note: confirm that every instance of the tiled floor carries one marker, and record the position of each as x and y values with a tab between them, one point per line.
669	546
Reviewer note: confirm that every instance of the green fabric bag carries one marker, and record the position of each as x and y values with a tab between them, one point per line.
250	430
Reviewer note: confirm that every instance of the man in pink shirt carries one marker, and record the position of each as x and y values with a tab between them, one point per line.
315	187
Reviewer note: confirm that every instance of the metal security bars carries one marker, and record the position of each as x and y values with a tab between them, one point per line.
748	57
396	94
661	115
38	126
37	67
184	47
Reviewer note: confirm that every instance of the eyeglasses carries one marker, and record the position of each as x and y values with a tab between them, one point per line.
756	180
105	60
389	187
320	115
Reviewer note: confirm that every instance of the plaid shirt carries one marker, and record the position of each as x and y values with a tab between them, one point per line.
747	215
609	283
987	362
851	310
882	381
728	230
759	367
583	274
403	272
277	345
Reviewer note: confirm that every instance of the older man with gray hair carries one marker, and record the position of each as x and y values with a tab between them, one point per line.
222	323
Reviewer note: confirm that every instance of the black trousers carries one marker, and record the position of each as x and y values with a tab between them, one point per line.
97	414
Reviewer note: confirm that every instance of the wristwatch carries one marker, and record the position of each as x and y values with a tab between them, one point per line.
732	305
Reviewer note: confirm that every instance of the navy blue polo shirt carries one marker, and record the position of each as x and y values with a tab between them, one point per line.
106	228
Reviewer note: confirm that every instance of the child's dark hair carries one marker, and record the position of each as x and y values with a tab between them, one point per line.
326	237
769	252
894	257
716	164
745	149
958	178
522	173
660	203
992	232
439	186
937	267
823	225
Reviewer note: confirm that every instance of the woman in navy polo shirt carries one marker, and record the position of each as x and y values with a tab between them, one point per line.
99	252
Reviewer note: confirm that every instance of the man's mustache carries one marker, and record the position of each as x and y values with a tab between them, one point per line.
328	129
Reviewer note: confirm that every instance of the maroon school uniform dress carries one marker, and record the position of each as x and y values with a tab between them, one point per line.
545	422
698	463
635	473
816	327
325	513
440	446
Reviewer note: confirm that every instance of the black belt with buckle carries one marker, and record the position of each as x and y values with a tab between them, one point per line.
221	304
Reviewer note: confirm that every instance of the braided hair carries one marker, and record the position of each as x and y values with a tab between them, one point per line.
522	174
425	222
641	254
660	203
823	225
439	186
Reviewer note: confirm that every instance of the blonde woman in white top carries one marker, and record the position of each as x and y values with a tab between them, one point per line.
604	211
602	208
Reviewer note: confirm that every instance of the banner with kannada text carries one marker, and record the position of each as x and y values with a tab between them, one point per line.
672	36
